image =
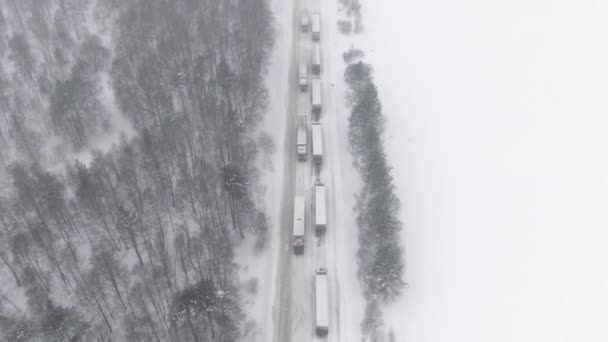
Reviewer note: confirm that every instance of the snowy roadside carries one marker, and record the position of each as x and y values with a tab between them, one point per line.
258	270
373	324
345	181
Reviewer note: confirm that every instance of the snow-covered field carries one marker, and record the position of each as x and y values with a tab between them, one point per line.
497	119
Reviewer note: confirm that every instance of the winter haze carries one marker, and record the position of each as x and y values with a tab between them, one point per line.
303	170
497	119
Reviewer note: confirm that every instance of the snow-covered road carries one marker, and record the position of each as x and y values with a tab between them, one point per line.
294	310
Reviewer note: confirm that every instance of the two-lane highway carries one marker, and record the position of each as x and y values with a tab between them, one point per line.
282	307
294	314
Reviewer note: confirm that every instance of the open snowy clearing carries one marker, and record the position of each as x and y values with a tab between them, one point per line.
496	130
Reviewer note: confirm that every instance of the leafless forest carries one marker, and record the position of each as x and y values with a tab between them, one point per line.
128	166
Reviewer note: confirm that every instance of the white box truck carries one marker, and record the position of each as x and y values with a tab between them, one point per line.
316	26
317	143
320	218
316	95
321	302
303	76
301	148
298	224
316	59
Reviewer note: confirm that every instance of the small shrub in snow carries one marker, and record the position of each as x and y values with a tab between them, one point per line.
261	225
266	143
252	285
352	55
345	26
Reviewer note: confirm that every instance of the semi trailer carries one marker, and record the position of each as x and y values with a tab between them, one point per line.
316	95
301	146
316	59
321	302
304	21
317	143
316	26
320	210
298	224
303	76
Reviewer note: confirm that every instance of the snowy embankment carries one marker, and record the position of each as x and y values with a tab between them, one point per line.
496	130
137	242
258	268
343	181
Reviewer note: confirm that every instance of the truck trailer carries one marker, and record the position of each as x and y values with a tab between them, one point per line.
298	224
317	143
316	95
316	26
304	21
303	76
301	148
316	59
320	208
321	302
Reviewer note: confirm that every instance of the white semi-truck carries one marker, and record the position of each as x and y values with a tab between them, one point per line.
298	224
316	26
317	143
320	209
321	302
316	95
316	59
301	147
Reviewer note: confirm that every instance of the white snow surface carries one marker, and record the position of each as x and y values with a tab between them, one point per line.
341	181
260	305
496	128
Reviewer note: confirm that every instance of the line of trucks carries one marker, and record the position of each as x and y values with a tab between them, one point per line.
320	215
299	208
302	140
321	287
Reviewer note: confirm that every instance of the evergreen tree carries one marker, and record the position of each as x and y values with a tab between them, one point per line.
59	324
380	255
387	272
22	331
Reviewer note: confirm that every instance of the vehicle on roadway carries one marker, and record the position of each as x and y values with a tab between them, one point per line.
321	302
303	76
320	208
298	224
317	143
315	95
304	21
301	148
316	59
316	26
